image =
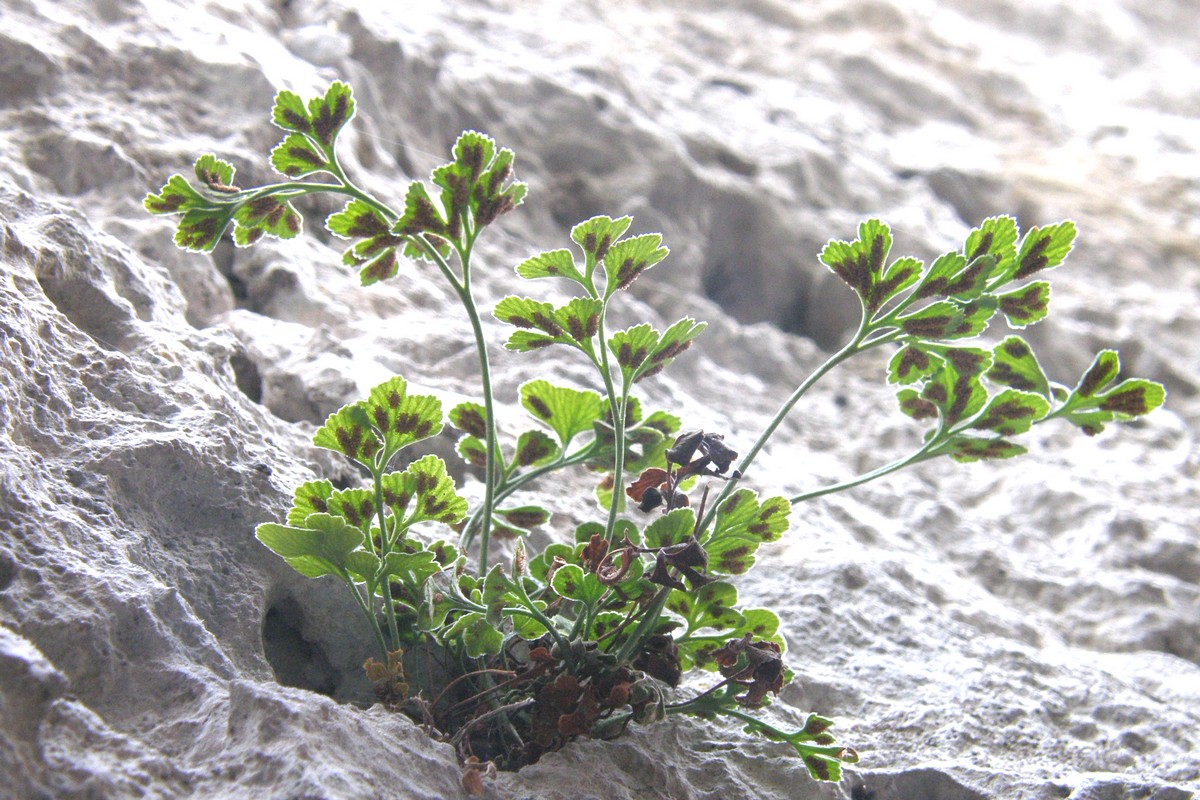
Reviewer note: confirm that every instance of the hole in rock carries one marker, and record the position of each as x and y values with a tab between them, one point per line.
296	661
761	268
238	287
861	792
813	307
247	376
8	570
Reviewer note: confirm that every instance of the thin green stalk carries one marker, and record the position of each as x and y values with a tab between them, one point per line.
354	191
579	626
508	487
701	700
489	413
369	613
294	189
462	289
531	610
887	469
384	547
618	408
491	479
645	625
583	623
617	631
805	749
853	347
744	717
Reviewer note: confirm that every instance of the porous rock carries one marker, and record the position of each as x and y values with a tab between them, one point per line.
1016	630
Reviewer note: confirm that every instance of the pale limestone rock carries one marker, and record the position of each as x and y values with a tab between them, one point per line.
1020	630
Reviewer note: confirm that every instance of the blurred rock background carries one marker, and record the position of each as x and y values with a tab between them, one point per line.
1025	629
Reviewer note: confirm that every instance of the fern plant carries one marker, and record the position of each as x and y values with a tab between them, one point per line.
596	631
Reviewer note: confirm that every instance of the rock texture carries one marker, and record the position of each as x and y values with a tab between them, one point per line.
1018	630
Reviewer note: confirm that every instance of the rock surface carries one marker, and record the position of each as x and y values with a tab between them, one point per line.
1027	629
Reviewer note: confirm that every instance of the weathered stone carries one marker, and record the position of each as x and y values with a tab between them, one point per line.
1015	630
